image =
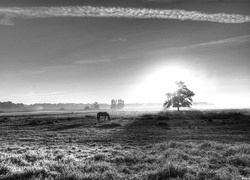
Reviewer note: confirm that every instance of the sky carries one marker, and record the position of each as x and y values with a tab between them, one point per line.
82	51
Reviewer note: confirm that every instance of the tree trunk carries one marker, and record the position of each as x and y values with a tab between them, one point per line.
178	108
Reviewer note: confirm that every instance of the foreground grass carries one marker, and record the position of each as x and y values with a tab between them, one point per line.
207	145
176	160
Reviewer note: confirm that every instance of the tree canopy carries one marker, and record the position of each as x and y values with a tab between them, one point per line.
96	105
117	104
181	98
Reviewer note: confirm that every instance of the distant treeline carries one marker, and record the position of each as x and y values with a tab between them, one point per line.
9	104
66	106
47	106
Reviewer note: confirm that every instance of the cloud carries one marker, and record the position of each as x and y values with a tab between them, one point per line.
227	41
93	61
53	68
38	71
5	20
25	73
167	1
121	39
38	95
238	39
7	14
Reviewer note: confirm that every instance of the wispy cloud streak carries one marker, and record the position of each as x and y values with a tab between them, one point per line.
93	61
7	14
238	39
220	42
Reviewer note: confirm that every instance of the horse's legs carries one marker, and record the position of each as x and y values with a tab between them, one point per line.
98	118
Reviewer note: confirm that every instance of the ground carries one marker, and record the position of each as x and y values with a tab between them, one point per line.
211	144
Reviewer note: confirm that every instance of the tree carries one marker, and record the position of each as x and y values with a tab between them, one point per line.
120	104
96	105
87	108
181	98
117	104
113	104
10	104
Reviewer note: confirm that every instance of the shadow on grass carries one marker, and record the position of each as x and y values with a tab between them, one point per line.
140	130
184	125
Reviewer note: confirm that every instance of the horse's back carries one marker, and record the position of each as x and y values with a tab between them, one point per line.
102	114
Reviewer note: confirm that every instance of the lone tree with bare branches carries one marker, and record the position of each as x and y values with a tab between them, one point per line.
181	98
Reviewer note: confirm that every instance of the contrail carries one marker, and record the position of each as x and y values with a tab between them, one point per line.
8	14
239	39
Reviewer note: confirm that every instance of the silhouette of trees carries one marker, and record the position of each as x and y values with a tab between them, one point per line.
10	105
86	108
121	104
113	104
117	104
181	98
96	105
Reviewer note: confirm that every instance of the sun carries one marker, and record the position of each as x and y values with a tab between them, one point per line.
160	81
165	78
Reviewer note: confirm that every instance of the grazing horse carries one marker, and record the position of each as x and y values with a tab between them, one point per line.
105	114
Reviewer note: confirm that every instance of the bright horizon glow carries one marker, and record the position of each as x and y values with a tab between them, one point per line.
162	80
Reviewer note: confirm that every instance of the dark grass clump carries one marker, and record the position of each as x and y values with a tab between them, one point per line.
162	124
4	119
240	160
34	123
147	117
29	174
99	157
90	116
229	116
162	117
4	170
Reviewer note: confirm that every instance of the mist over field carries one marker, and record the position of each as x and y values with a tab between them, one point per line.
124	89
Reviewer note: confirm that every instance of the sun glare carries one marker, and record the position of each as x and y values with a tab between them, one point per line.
162	80
165	78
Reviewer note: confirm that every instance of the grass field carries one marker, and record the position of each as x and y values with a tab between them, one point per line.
133	145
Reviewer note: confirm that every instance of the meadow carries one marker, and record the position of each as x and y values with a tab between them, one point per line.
154	145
